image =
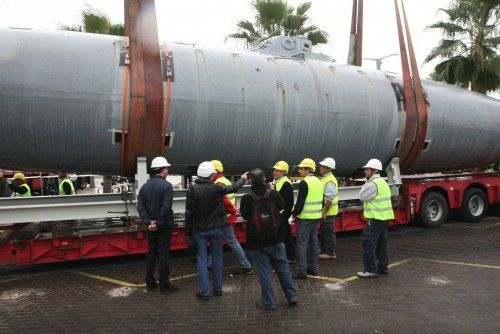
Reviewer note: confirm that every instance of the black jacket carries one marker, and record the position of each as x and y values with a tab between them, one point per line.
246	206
286	192
205	207
301	198
155	202
4	188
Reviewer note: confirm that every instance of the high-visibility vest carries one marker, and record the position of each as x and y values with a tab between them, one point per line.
278	184
313	207
334	208
230	197
379	207
61	188
27	193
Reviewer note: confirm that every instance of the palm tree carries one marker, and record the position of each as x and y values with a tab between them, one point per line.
470	45
94	21
277	18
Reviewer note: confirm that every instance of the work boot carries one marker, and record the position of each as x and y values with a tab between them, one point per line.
383	271
202	297
217	293
263	307
366	274
243	271
292	303
312	272
171	288
299	276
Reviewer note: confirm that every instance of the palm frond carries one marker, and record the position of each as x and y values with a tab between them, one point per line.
303	8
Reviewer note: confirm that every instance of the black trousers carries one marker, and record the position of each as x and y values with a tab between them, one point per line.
289	245
158	247
375	243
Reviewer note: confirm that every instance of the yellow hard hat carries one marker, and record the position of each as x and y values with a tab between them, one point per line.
218	165
19	176
308	163
281	165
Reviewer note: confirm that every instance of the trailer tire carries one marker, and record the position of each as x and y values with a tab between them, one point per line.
433	210
474	205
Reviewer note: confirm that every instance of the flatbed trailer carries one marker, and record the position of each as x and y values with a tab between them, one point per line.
114	232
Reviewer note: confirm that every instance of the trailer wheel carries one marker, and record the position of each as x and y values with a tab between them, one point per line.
474	205
433	210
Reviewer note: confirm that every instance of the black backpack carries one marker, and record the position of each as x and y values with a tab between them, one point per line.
265	217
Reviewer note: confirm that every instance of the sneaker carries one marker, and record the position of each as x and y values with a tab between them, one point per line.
171	288
263	307
366	274
299	276
312	272
202	297
292	303
243	271
217	293
325	256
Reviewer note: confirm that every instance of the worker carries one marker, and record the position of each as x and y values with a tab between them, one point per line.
66	186
205	218
154	204
228	230
19	186
376	197
307	211
283	185
330	209
4	186
265	233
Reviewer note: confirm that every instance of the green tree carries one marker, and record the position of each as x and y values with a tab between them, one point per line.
277	18
94	21
469	48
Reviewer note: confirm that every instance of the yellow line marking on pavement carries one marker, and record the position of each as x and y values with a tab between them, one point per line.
325	278
477	265
108	279
392	265
123	283
11	279
183	277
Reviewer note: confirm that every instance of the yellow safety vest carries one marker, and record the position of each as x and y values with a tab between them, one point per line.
27	193
313	207
230	197
278	184
61	188
379	207
334	208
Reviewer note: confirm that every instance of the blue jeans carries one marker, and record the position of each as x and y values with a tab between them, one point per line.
233	243
307	235
274	256
215	238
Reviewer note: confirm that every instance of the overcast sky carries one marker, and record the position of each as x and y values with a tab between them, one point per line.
208	22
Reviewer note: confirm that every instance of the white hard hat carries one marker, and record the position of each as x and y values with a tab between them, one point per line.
159	162
328	162
205	169
374	164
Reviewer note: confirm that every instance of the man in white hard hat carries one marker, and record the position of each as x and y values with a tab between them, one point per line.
330	209
205	218
376	197
154	205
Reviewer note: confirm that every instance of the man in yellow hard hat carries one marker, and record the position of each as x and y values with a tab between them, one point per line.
228	230
308	210
19	186
283	185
